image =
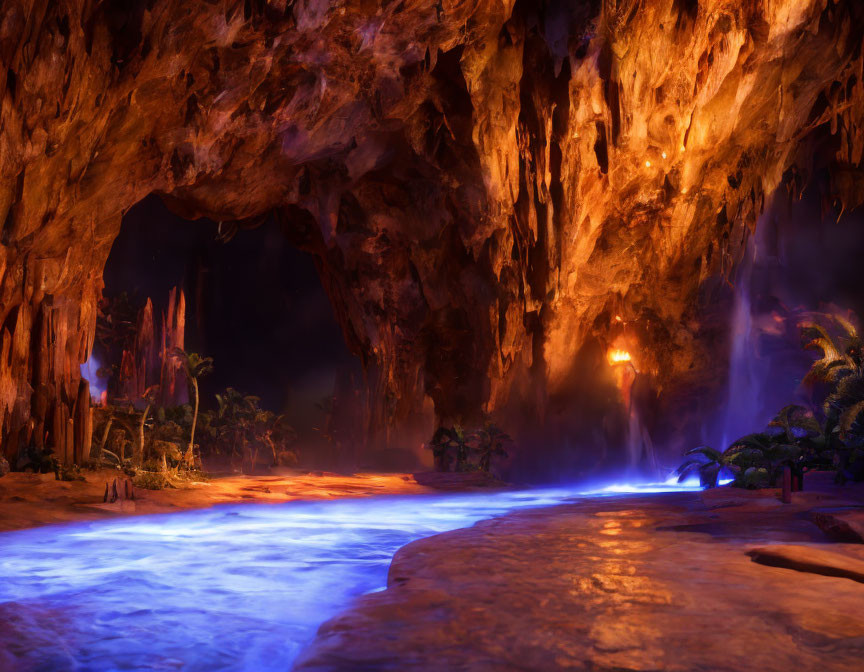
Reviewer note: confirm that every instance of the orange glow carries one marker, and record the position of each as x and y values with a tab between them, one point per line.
618	356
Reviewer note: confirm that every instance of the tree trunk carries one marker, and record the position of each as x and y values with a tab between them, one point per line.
82	421
105	434
190	456
139	457
272	445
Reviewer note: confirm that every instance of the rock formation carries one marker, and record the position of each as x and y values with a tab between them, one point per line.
495	190
148	363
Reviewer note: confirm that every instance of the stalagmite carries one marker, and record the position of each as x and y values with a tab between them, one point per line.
83	424
483	184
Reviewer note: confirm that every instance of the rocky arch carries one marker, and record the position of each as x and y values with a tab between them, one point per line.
484	184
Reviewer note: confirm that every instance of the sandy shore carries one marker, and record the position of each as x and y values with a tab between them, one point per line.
666	582
29	500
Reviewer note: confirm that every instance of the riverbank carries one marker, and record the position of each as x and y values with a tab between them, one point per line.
660	582
231	588
30	500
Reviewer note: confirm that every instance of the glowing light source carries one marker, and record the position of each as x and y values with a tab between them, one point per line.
683	148
663	155
647	164
90	372
618	356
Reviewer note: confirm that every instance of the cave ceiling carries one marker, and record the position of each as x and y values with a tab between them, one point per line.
487	185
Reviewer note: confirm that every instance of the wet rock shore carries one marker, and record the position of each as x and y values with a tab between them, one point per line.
659	582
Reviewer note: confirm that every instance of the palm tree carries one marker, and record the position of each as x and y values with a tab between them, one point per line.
705	461
194	366
793	438
237	416
841	356
489	442
450	447
841	367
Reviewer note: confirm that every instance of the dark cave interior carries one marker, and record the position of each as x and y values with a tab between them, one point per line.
254	303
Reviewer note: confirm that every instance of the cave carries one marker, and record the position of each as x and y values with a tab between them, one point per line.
253	302
293	293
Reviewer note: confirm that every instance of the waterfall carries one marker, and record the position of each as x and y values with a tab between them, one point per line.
744	409
640	447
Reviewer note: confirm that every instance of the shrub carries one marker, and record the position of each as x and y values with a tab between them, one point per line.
151	480
454	450
67	472
794	438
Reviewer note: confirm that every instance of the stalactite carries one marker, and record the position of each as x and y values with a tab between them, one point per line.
484	187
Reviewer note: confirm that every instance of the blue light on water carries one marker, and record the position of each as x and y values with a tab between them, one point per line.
239	587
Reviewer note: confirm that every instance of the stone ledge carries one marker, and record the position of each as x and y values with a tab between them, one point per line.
810	560
843	524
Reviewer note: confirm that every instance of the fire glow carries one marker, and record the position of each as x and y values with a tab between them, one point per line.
617	356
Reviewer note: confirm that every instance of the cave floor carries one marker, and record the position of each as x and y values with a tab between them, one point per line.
30	500
661	582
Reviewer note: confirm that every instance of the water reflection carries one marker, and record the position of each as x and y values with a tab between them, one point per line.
240	587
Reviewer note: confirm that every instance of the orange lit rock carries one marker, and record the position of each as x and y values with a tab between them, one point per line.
484	183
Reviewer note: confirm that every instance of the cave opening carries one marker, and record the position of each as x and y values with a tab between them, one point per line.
254	303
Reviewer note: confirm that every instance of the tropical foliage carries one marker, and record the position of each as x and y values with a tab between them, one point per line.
704	461
490	442
841	372
793	438
455	450
156	440
194	366
828	436
248	431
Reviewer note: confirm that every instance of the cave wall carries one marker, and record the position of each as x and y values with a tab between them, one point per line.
486	184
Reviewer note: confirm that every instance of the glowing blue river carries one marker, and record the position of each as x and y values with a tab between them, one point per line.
239	587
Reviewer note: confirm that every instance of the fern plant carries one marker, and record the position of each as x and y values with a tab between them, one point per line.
450	448
841	369
704	461
489	442
793	438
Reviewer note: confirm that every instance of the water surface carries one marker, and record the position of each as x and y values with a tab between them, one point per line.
236	587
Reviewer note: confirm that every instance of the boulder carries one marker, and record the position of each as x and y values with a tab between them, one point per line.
809	559
119	490
844	524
